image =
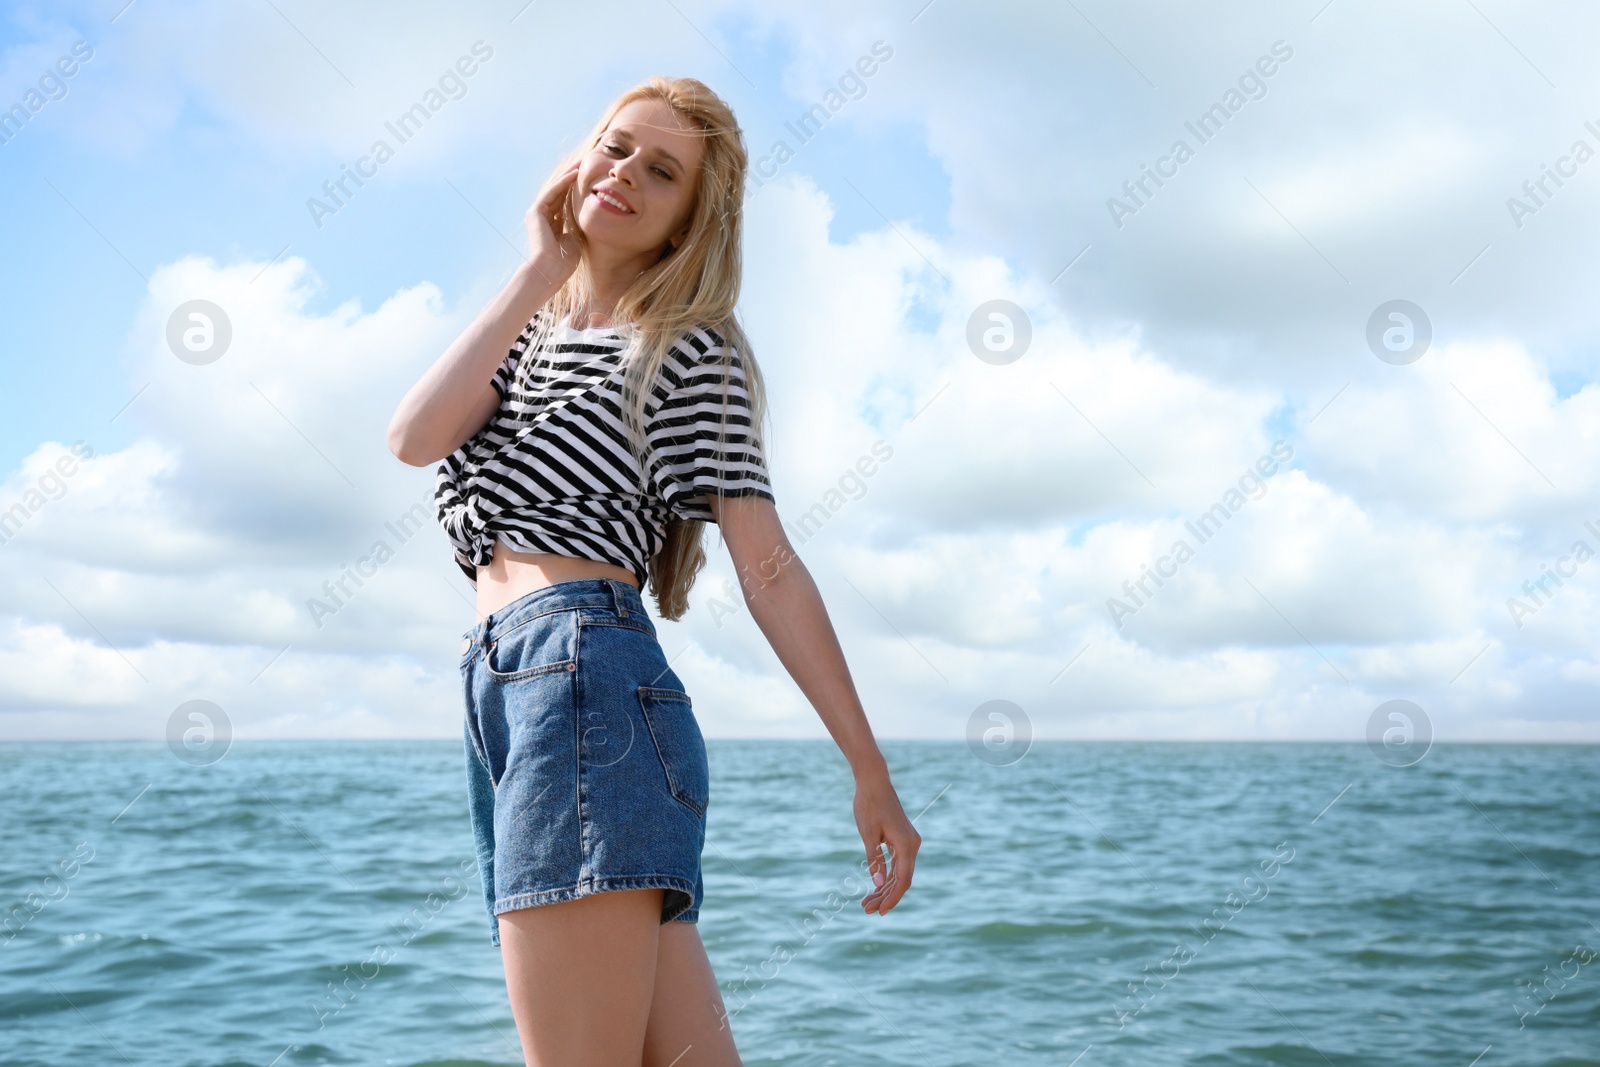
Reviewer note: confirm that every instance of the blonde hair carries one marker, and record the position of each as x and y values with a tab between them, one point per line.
695	285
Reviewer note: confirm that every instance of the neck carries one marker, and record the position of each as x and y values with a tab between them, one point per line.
610	274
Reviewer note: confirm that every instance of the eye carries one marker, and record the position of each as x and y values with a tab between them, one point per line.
619	152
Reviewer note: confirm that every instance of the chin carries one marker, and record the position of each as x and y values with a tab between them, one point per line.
598	229
593	221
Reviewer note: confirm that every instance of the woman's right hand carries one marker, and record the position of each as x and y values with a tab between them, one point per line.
554	248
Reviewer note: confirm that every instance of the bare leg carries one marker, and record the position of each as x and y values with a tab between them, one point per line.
581	975
687	1026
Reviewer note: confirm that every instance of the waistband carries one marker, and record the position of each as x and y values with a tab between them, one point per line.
606	594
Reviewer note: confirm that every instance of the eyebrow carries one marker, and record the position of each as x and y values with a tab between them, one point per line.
622	133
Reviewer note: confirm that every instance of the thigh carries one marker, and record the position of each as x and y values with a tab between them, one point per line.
688	1026
581	974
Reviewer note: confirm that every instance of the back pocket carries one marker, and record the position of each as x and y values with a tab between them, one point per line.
670	716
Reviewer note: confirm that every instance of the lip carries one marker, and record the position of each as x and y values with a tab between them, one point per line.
616	196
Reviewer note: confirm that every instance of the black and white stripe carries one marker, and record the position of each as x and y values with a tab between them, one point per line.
552	471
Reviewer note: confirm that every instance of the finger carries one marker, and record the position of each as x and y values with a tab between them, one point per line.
876	897
905	860
559	217
563	176
570	207
550	203
565	180
551	195
877	874
884	881
877	869
895	885
878	904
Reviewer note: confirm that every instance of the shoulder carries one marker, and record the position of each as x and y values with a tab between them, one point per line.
705	363
524	339
705	347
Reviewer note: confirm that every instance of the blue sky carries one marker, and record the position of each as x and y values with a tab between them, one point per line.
87	223
988	158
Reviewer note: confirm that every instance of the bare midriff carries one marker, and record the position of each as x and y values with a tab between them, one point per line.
510	575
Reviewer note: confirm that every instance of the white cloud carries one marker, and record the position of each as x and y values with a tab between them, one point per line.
980	554
991	538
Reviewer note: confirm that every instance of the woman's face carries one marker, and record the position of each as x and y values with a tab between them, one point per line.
636	187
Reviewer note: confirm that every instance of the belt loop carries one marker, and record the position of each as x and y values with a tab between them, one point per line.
617	598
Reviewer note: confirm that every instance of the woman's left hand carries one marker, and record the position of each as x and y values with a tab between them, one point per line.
882	821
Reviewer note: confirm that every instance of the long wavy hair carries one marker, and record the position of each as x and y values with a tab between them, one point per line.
690	286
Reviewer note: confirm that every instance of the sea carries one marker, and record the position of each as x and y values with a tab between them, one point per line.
1077	904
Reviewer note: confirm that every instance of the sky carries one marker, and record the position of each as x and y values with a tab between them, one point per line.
1228	372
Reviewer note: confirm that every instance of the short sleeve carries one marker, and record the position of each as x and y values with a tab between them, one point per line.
507	371
700	437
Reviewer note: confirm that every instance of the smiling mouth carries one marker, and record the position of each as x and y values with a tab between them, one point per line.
612	201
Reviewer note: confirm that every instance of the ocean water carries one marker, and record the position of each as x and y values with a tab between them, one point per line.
1091	904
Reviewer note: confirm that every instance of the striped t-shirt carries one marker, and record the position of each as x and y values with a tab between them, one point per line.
552	471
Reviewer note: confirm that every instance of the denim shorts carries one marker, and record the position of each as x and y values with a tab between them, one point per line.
586	769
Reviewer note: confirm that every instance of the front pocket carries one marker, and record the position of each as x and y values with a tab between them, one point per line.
544	644
670	716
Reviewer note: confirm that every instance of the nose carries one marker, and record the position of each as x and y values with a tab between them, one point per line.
622	169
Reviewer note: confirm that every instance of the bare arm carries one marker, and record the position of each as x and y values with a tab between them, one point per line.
786	605
453	398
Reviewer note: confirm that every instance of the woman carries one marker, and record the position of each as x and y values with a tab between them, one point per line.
590	420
